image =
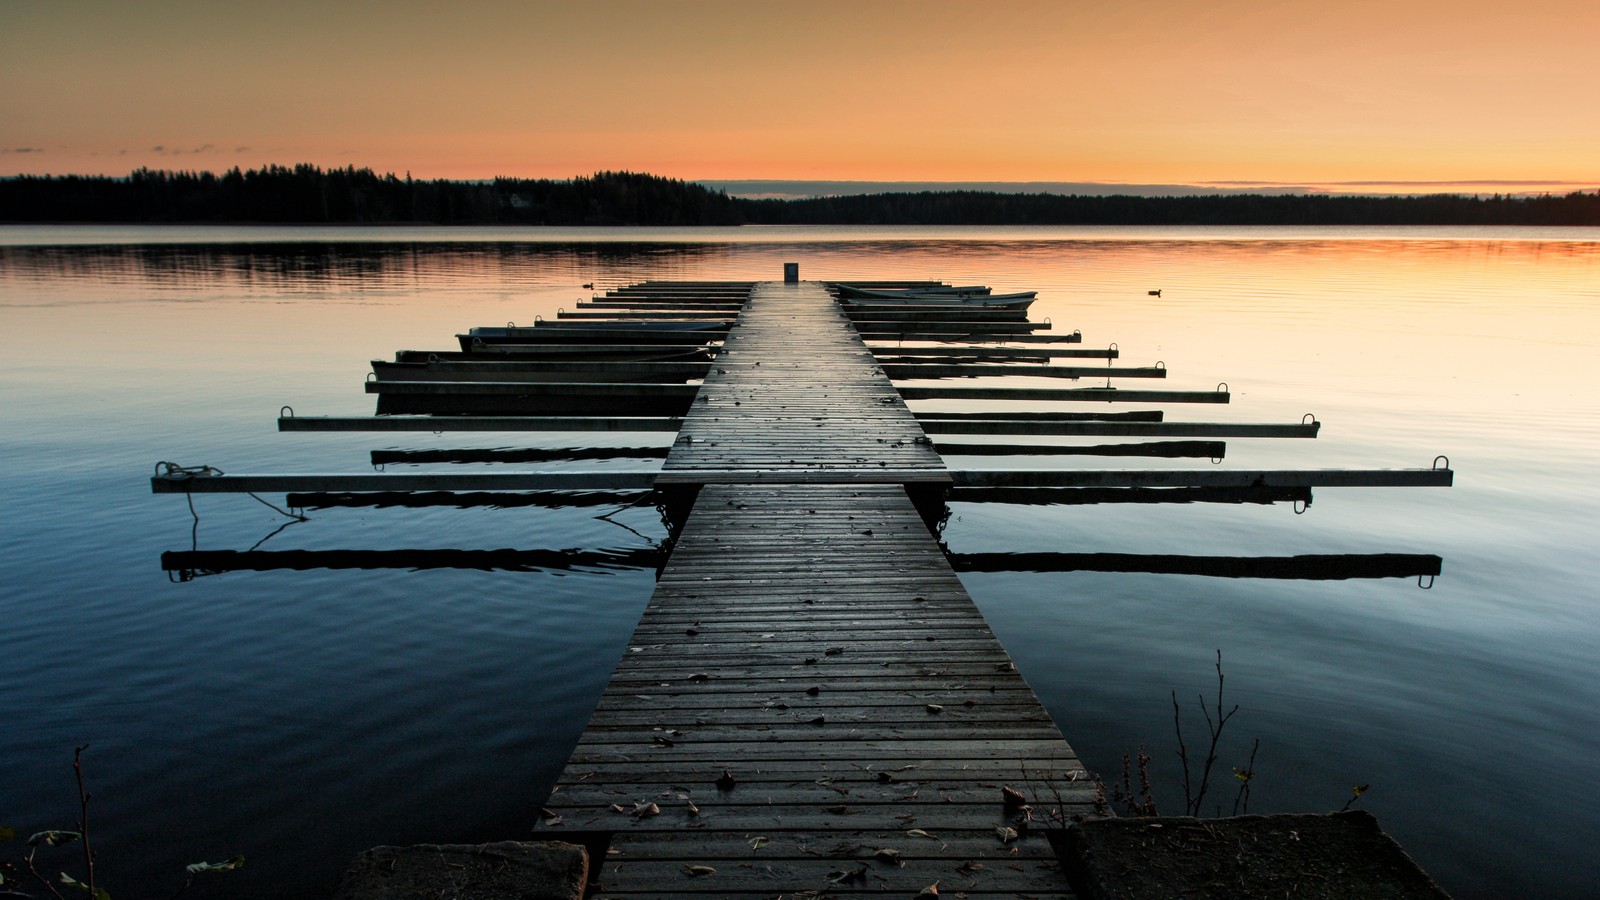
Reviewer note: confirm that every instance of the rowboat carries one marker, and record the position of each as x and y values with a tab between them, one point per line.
1010	302
848	291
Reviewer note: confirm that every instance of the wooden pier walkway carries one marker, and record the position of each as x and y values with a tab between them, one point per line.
811	703
796	395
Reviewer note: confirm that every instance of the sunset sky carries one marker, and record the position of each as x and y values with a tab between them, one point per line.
1301	92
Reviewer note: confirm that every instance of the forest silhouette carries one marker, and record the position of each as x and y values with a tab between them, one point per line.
307	194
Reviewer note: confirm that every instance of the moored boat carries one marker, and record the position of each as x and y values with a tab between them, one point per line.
1012	302
849	291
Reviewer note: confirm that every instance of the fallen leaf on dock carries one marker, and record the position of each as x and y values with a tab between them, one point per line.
1006	835
645	810
726	781
756	843
848	877
1012	798
699	871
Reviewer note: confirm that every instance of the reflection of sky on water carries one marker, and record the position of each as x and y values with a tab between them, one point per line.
262	712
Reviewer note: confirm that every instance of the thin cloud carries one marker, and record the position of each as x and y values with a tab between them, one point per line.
179	151
21	149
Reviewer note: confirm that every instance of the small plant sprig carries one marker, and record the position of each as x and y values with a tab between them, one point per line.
1355	794
1245	776
1142	803
11	873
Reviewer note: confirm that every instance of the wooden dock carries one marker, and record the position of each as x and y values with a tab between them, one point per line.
812	703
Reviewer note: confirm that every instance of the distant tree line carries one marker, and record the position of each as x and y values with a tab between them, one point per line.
983	208
308	194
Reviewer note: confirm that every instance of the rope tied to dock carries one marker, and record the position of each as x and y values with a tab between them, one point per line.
168	469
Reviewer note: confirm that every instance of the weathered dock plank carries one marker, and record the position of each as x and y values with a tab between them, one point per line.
810	673
996	423
480	423
600	479
1212	478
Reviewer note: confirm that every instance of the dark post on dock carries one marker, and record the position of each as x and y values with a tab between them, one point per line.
811	703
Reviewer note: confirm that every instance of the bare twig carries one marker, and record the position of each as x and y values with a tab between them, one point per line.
1183	753
40	878
1193	797
83	819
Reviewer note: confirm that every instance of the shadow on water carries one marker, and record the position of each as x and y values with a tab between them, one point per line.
674	506
190	564
1307	567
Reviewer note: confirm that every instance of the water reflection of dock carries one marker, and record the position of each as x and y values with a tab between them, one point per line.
811	701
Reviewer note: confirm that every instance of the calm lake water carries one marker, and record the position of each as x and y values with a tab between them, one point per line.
300	716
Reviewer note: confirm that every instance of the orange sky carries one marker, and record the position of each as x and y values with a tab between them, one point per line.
1156	91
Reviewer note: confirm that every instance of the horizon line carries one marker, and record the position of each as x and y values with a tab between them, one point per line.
779	188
